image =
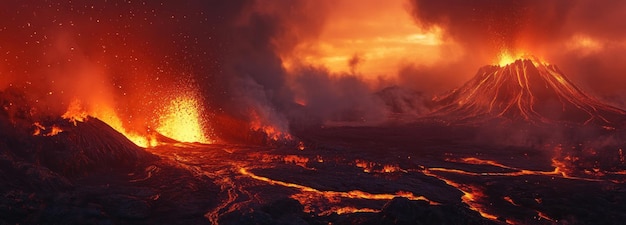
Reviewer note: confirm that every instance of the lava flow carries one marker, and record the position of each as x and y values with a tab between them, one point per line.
333	194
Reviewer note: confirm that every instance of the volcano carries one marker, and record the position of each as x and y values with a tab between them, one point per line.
525	90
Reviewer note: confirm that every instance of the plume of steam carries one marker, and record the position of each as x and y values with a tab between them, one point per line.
258	81
330	97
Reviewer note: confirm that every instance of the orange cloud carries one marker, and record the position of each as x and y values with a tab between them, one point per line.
382	35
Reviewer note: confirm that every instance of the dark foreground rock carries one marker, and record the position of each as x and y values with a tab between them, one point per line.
88	174
398	211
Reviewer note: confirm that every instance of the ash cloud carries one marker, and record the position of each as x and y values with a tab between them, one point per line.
258	81
338	98
132	54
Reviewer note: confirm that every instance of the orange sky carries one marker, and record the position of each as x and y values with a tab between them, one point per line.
381	34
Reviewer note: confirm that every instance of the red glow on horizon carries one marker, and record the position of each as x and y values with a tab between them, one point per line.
370	39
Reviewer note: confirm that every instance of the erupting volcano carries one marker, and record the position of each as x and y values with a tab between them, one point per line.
528	90
311	112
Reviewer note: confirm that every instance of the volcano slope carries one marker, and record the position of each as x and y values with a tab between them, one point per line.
526	90
53	171
531	103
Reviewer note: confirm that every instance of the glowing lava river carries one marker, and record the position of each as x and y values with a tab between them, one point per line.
415	173
341	177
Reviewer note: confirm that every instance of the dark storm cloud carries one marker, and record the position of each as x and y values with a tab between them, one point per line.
253	80
258	81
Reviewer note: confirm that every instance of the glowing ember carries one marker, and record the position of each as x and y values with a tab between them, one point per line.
182	121
540	215
509	200
54	130
560	168
297	160
75	112
273	132
369	167
545	217
506	57
391	168
366	166
38	128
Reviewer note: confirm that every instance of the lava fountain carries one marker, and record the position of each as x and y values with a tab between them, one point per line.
182	120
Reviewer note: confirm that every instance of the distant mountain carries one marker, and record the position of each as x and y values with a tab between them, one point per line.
525	90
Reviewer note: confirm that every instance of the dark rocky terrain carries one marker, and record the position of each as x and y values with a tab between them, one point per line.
523	168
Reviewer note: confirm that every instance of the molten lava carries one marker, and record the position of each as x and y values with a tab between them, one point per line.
526	90
54	130
182	121
369	167
506	57
38	128
268	128
472	195
75	112
353	194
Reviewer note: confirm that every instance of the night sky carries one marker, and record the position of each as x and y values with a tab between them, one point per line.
274	63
